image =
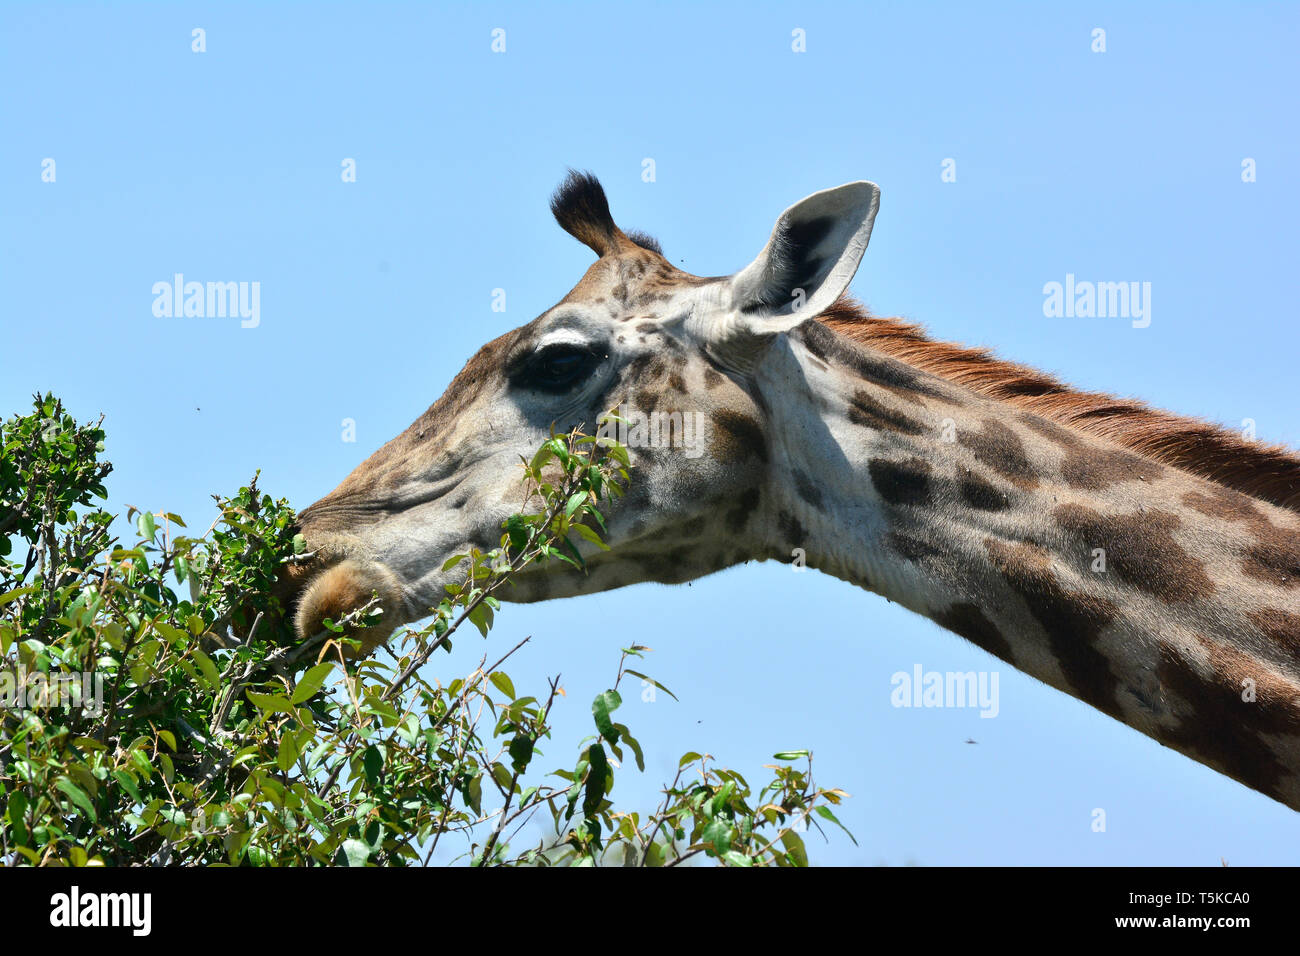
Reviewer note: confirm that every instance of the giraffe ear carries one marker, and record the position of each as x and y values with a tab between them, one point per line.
810	259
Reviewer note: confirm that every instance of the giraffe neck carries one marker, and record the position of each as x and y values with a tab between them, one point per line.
1169	602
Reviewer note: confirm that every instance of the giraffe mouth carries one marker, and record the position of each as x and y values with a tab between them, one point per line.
334	585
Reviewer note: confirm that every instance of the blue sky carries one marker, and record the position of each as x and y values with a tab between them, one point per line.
225	165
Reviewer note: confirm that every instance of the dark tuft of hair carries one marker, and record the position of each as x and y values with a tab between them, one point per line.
646	241
580	207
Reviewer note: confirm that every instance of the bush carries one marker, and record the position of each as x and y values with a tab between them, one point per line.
145	726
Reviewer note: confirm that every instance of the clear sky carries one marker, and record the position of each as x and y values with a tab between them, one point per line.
225	165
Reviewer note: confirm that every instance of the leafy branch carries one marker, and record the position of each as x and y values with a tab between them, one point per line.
201	731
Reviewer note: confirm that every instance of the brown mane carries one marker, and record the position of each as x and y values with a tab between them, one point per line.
1265	471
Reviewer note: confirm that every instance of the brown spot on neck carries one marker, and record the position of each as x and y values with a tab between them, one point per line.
968	621
1274	557
867	411
1276	560
1217	726
902	482
980	494
912	548
997	447
1226	505
1140	550
736	437
745	506
888	373
1072	621
1280	627
1093	465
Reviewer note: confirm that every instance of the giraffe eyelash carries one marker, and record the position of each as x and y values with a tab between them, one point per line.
557	368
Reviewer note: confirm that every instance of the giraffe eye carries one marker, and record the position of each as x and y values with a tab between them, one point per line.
557	368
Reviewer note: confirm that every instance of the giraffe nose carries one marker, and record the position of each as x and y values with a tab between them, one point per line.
334	579
344	588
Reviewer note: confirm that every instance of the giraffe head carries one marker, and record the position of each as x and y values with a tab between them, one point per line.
676	353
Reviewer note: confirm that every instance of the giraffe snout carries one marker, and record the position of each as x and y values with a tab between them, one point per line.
342	588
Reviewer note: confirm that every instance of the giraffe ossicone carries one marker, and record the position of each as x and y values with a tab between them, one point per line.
1145	563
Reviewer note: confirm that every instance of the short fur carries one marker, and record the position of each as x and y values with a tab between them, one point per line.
1267	471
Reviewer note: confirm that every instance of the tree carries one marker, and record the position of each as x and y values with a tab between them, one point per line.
158	709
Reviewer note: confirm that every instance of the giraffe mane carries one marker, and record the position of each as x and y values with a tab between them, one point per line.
1266	471
645	241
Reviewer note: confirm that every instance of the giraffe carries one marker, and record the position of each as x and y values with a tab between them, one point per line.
1145	563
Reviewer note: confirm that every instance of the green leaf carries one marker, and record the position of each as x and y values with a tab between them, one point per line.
503	683
356	852
717	835
596	778
127	783
272	703
578	561
481	618
521	751
650	680
311	682
590	535
826	814
374	764
211	676
556	553
173	634
655	854
516	531
619	453
288	752
795	850
790	755
721	798
543	455
16	811
474	794
19	592
604	704
632	742
77	796
501	775
173	815
146	526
